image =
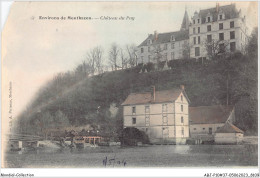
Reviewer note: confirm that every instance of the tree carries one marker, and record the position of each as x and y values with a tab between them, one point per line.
252	47
83	70
186	51
113	55
216	48
95	59
132	56
123	59
156	54
60	119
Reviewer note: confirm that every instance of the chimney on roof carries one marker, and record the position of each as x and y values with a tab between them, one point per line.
155	35
182	87
153	93
217	7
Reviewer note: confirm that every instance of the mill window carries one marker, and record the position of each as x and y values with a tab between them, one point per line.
133	120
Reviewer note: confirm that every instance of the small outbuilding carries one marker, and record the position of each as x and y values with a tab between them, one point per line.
228	134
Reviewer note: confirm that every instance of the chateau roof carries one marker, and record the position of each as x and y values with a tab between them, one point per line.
166	37
230	12
229	128
209	114
160	97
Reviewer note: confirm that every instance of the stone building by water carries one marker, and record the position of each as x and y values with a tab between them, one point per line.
162	115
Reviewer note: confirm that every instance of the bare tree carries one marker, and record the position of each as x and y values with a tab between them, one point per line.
83	69
156	54
123	59
113	55
95	59
99	59
132	56
186	51
216	48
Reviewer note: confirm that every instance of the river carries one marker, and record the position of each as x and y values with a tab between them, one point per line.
146	156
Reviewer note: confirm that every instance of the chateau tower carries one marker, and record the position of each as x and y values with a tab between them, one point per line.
185	21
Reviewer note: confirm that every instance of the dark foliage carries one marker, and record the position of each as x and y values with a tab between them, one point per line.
131	135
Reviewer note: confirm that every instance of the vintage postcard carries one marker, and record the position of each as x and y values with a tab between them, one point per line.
130	85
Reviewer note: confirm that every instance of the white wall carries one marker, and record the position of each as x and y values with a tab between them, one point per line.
228	137
241	34
173	114
197	129
178	51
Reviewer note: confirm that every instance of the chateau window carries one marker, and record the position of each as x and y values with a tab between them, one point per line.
165	46
198	39
221	36
149	41
209	28
232	24
197	51
203	128
194	40
165	120
133	110
164	107
181	98
142	50
172	45
194	129
172	55
198	29
182	131
148	48
232	46
220	26
133	120
181	108
208	19
193	21
198	20
181	119
220	17
232	35
172	38
193	30
147	109
209	38
147	120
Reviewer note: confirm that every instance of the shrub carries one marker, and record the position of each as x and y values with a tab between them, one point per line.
131	136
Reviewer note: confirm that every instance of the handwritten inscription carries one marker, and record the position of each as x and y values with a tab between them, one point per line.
113	162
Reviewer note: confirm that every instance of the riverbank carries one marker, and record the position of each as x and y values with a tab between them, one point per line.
148	156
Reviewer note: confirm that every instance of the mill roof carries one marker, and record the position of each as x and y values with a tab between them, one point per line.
209	114
166	37
160	97
229	128
230	12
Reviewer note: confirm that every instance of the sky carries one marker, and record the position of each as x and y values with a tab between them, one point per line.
34	50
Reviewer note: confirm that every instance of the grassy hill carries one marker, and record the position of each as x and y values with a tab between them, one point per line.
74	99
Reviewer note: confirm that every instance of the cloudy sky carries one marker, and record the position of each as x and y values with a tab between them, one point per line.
35	50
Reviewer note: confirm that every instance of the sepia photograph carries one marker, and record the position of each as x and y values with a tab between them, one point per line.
130	85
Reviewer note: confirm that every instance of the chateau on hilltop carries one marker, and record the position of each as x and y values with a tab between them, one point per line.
210	32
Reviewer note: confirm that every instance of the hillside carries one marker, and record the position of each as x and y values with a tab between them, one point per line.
74	99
